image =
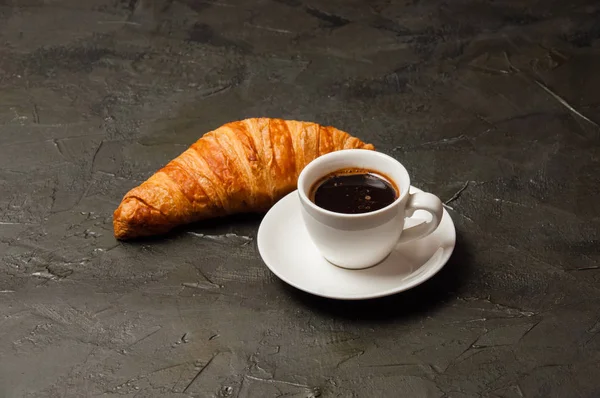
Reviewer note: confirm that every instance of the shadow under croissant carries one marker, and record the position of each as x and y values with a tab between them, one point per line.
416	302
242	224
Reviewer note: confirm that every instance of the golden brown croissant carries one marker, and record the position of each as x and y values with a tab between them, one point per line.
241	167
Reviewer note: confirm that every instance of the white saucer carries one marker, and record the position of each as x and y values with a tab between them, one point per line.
288	251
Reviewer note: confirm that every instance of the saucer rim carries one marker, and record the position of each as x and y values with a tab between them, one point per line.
432	271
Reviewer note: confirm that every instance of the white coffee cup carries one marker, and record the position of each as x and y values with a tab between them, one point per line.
362	240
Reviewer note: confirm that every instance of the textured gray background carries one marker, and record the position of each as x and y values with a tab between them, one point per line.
97	95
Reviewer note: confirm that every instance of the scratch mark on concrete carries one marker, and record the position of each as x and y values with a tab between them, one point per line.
145	337
509	202
206	277
103	310
564	103
214	91
487	69
520	391
199	373
184	338
225	238
471	346
530	329
390	365
36	115
118	22
594	330
269	28
44	275
356	354
457	194
519	312
96	154
289	383
50	139
144	376
591	267
166	368
332	20
547	89
445	141
201	285
217	3
178	380
58	146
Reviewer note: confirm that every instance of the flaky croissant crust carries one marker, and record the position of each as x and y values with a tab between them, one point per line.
241	167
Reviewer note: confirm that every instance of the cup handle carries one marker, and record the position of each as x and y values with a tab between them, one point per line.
422	201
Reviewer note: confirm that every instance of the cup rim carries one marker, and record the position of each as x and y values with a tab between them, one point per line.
323	158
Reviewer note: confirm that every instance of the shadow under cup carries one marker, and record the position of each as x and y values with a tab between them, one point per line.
354	241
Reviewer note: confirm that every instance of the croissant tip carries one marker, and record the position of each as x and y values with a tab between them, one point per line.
135	219
119	227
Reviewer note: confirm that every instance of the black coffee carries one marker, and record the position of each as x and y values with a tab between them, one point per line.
353	191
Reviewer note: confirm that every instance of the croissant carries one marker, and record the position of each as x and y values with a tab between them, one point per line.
241	167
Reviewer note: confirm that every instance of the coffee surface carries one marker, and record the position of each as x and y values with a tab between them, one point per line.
353	191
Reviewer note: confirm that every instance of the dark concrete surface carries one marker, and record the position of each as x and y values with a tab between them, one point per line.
500	98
